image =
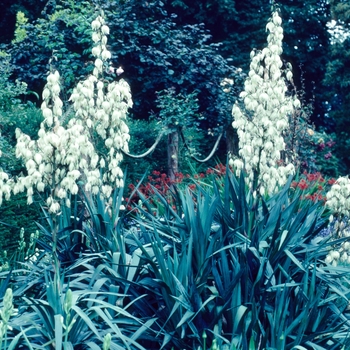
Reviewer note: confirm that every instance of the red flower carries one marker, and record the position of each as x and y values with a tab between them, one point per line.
294	184
332	181
221	169
311	177
303	185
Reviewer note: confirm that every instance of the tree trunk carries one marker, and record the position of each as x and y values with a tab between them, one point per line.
173	154
230	141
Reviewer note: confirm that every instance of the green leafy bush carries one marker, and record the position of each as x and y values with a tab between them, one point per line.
14	112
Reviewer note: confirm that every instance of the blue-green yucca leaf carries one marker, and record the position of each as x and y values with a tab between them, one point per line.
144	328
54	292
48	218
234	194
5	283
169	212
144	202
87	317
295	260
252	344
199	223
58	332
229	295
187	317
117	200
243	201
92	346
167	229
241	316
99	233
148	256
45	314
114	327
160	253
294	235
13	344
226	284
270	228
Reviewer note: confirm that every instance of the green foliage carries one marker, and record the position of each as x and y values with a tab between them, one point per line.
20	31
142	136
169	57
14	113
338	77
9	92
15	214
30	8
63	33
177	111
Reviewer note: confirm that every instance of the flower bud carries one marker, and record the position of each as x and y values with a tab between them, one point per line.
106	55
95	24
105	30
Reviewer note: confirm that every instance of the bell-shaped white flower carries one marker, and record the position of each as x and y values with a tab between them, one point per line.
269	107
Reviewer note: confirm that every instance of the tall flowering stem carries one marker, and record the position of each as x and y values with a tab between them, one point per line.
64	155
101	107
262	116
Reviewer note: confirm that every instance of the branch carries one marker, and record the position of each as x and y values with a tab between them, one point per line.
147	152
211	153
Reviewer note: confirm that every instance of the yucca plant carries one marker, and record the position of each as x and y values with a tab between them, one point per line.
69	319
77	304
245	270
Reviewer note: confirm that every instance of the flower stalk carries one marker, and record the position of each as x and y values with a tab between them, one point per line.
261	117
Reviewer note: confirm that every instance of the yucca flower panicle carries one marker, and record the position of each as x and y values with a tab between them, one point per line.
262	116
62	155
103	106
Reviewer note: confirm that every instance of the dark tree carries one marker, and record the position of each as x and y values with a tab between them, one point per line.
337	80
